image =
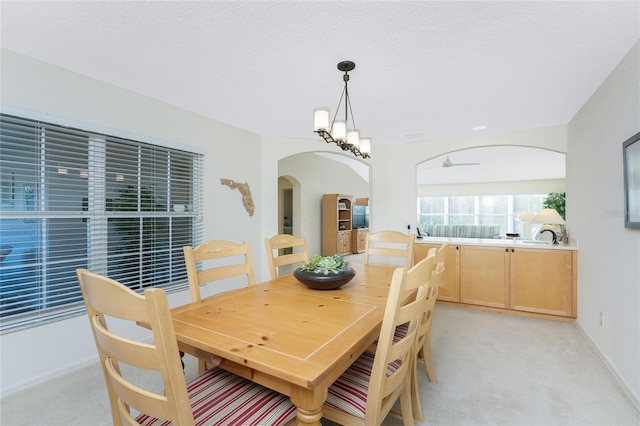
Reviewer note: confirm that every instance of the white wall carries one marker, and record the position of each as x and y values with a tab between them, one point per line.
42	352
609	256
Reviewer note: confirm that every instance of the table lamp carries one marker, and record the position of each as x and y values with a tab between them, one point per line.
548	217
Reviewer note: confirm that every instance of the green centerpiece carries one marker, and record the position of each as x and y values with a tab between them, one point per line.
325	272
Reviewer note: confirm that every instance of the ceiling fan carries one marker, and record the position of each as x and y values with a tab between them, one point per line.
447	163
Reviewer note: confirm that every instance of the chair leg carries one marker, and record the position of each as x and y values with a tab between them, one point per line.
408	412
202	365
428	362
415	392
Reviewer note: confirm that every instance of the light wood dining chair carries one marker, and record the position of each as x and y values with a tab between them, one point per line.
424	345
423	348
367	391
383	245
214	397
217	256
423	340
299	253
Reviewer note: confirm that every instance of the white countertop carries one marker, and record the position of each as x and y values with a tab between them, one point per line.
499	242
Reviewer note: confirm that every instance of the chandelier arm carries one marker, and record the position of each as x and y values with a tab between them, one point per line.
343	145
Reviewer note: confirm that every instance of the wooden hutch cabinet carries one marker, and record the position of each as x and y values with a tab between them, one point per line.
336	224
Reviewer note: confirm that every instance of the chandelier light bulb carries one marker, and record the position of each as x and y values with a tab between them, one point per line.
339	130
321	119
353	137
365	146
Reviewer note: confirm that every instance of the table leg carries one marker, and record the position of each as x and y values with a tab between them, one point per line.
309	404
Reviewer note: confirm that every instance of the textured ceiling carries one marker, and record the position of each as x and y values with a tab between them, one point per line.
425	70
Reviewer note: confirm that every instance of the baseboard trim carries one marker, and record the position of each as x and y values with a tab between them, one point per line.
51	376
505	311
633	397
56	373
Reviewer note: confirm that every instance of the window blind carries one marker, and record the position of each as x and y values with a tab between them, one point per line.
72	198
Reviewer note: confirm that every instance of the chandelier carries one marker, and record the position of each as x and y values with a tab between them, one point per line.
337	131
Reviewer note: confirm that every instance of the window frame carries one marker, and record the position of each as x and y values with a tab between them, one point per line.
475	200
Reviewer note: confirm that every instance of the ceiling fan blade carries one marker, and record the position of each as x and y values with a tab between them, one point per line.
447	163
466	164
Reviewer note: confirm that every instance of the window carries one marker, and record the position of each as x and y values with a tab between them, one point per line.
71	198
478	210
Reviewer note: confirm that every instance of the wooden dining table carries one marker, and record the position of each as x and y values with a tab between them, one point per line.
286	336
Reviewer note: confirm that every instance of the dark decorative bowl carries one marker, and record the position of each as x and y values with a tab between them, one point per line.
324	282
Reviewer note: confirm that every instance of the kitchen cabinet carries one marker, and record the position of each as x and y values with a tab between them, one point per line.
450	288
484	276
510	277
542	281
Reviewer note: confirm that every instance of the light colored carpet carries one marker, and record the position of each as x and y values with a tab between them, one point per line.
492	369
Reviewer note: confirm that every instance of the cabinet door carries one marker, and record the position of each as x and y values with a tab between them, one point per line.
341	243
450	288
362	240
359	240
344	242
542	281
484	276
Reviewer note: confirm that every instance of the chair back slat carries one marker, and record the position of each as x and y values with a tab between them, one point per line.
221	259
382	245
129	352
221	273
149	403
441	254
273	245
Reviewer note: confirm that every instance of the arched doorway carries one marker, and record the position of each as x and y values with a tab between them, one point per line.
309	176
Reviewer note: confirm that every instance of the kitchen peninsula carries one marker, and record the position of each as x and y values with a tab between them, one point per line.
518	277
